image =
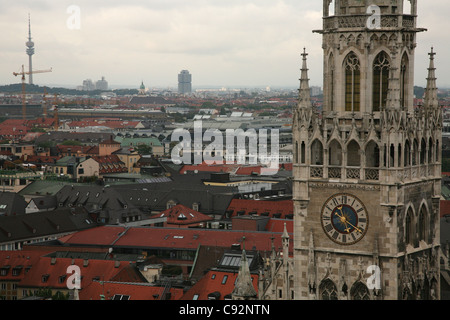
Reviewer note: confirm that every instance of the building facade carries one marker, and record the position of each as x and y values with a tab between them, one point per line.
184	82
367	167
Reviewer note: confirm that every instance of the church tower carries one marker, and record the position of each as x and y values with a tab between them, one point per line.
367	166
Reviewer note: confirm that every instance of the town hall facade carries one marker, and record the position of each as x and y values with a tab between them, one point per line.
367	166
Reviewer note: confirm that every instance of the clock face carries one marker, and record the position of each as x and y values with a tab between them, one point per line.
344	219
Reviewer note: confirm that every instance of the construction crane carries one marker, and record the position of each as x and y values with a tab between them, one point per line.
23	73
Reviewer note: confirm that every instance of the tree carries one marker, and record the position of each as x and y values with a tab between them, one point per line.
144	149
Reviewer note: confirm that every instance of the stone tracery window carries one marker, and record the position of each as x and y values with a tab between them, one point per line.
381	66
359	291
328	290
404	81
352	83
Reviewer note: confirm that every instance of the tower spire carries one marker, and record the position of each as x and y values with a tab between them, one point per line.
244	286
30	51
304	92
431	97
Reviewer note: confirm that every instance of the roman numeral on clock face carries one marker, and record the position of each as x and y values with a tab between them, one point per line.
328	227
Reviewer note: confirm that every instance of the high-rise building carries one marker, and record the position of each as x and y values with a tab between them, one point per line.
101	84
30	51
184	82
367	168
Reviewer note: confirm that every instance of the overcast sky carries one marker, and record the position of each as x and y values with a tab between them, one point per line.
230	43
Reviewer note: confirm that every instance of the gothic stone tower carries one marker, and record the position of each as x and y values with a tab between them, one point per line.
367	166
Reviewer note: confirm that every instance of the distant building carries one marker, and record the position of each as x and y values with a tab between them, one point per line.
184	82
88	85
142	89
101	84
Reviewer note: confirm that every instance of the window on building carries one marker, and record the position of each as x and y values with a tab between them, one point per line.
353	154
422	225
224	280
381	67
352	83
408	227
328	290
404	81
317	153
331	82
360	291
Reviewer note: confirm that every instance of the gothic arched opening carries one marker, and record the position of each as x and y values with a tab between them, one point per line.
423	151
359	291
404	80
317	153
409	227
407	157
352	83
381	67
422	225
372	155
328	290
353	154
335	153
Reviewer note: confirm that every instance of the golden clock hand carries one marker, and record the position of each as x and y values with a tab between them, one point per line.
356	228
344	220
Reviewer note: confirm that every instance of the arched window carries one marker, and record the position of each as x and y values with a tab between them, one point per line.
335	154
296	153
328	290
331	82
422	224
404	81
407	156
359	291
381	66
438	152
409	227
302	153
415	153
372	155
353	156
317	153
423	151
430	150
352	83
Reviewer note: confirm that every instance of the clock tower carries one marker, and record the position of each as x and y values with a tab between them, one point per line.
367	166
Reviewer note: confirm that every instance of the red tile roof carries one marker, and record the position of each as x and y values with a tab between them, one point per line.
10	260
246	171
102	236
213	282
444	208
110	164
93	150
135	291
277	225
182	215
177	238
208	168
58	275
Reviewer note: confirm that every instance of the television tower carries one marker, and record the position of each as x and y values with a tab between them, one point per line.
30	51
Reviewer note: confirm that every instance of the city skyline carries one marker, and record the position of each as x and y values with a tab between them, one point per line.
237	43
